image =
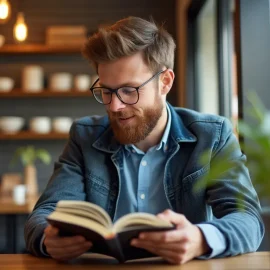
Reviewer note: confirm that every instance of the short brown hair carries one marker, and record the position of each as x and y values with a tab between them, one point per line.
130	36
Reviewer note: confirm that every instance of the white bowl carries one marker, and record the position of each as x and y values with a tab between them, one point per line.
40	124
11	124
6	84
61	124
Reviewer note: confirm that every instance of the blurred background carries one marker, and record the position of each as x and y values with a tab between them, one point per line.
221	55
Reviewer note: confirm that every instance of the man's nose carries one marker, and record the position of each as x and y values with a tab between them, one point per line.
116	104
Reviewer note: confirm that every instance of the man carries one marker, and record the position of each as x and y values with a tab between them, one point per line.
145	156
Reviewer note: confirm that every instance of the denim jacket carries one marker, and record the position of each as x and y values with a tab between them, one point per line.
89	166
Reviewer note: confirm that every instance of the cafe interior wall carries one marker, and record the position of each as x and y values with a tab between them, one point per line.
38	15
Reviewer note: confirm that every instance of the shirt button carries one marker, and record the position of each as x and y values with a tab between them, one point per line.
144	163
133	151
166	148
142	196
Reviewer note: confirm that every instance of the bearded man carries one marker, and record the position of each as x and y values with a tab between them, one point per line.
145	157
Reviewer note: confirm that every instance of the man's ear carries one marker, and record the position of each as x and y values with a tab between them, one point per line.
167	81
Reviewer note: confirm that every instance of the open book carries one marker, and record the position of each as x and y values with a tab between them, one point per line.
92	222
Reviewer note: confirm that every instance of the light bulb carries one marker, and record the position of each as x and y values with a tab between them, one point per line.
4	11
20	28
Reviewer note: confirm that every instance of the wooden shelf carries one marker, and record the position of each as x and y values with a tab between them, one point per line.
18	93
38	49
28	135
8	206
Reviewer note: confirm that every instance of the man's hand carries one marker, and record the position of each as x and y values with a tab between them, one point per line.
64	248
177	246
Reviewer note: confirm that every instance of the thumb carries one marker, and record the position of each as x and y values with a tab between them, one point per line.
51	231
175	218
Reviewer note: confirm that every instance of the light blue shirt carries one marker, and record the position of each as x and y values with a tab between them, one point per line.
142	190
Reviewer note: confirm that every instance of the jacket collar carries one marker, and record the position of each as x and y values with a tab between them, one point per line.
179	133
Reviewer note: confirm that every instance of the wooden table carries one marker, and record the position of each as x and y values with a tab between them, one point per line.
11	210
258	261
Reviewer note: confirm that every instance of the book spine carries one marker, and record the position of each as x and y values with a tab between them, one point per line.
115	249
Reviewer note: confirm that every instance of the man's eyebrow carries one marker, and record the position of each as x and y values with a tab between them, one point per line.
132	84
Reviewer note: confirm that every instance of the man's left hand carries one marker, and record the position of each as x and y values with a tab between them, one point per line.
176	246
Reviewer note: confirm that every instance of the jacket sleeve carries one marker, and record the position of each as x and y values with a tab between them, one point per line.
66	183
233	199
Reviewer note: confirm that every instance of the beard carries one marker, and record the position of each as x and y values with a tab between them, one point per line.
134	133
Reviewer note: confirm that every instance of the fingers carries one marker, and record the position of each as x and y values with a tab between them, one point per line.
169	255
69	253
165	237
61	242
64	248
175	247
176	253
51	231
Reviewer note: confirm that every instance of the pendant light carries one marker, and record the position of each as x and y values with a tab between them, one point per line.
20	28
5	11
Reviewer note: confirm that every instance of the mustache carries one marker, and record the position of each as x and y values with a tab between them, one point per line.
120	114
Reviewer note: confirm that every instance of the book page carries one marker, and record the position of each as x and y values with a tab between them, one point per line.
85	209
134	220
86	214
81	222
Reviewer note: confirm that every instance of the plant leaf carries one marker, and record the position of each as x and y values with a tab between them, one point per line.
28	155
43	155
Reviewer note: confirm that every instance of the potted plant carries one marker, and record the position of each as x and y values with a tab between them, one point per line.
256	146
28	156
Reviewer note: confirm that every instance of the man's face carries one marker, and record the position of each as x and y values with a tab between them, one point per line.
132	123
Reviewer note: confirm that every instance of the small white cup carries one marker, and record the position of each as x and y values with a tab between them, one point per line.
82	82
40	124
19	194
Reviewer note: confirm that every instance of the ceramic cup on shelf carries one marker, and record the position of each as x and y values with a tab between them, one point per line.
32	78
19	194
82	82
6	84
40	124
60	82
61	124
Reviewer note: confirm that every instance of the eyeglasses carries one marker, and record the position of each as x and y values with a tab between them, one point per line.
127	94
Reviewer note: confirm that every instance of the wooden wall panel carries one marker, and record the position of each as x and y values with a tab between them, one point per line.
181	52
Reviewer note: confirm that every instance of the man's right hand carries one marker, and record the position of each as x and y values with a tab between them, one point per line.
64	248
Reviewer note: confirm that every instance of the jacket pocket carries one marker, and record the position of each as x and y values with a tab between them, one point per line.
97	184
190	180
99	191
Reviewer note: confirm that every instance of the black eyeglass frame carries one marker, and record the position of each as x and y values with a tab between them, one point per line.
115	91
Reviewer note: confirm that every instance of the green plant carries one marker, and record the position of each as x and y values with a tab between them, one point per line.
29	155
256	146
